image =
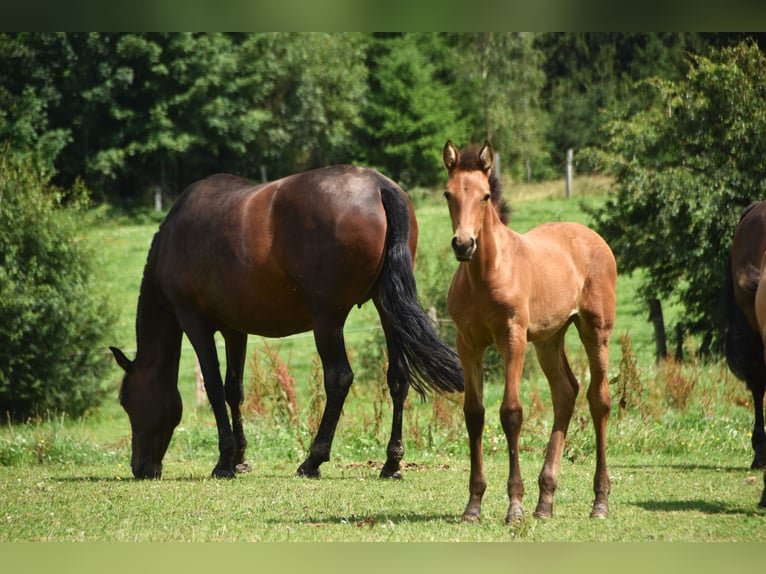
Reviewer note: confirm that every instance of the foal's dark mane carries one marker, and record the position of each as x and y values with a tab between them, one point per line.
470	161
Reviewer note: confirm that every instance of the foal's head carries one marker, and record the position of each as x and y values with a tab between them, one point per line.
472	187
154	410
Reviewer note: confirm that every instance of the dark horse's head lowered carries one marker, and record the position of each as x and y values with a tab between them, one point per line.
154	407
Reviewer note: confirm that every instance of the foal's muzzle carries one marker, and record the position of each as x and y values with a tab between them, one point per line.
464	249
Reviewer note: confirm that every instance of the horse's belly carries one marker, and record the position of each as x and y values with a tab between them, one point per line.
265	316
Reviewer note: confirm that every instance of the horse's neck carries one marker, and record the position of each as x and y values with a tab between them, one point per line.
495	245
158	335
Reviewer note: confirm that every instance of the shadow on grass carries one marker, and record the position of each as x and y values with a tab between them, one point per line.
370	521
703	506
682	467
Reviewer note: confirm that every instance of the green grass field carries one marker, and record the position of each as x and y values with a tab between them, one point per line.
679	450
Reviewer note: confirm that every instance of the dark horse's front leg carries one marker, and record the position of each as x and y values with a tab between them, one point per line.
338	378
201	336
236	347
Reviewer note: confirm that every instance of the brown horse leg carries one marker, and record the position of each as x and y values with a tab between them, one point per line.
201	337
338	378
512	418
564	388
236	346
596	343
473	412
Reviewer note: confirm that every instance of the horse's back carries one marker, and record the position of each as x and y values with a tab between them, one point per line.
268	258
577	269
562	243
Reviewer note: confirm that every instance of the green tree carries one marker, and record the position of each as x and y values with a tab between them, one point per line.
409	114
52	313
590	77
685	167
500	77
312	88
29	88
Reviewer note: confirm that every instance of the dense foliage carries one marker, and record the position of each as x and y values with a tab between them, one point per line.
686	166
133	113
53	317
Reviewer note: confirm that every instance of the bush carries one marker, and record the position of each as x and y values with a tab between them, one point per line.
53	318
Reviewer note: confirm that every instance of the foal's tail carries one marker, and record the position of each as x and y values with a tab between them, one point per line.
431	363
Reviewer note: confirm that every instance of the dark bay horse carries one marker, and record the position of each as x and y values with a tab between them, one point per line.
275	259
510	289
745	294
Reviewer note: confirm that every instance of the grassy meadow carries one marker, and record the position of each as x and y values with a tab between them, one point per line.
679	435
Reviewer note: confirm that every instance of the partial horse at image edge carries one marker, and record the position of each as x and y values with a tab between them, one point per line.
274	259
745	296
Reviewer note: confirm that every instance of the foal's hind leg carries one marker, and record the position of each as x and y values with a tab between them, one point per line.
236	346
564	387
338	378
595	336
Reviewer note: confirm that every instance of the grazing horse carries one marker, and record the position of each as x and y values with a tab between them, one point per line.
510	289
284	257
745	295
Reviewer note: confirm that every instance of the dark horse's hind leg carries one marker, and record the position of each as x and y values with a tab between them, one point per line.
338	378
758	438
236	347
398	381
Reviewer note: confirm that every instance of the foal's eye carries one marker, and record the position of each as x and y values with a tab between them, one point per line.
486	198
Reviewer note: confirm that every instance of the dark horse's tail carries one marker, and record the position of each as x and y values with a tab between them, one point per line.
432	364
744	346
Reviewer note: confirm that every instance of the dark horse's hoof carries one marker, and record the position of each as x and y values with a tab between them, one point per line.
759	460
219	472
308	471
394	472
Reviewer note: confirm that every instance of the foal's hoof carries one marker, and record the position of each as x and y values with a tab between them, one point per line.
543	512
515	514
242	467
470	517
600	510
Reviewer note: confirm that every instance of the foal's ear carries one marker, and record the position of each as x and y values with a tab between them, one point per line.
450	155
487	157
122	360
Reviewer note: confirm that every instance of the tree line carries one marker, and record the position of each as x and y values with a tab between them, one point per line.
133	113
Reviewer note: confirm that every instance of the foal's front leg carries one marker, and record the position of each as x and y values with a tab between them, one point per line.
473	411
512	349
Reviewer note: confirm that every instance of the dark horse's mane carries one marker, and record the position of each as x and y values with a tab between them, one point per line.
470	161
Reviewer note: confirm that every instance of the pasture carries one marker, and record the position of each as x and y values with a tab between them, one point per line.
678	437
